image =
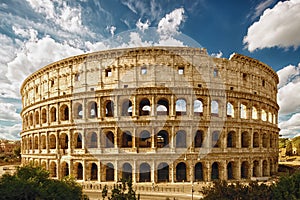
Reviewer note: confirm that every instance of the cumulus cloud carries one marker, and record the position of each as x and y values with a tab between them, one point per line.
259	9
169	25
10	132
217	55
8	112
279	26
142	26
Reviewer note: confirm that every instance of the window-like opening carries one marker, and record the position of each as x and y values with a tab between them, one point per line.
255	169
215	171
36	142
265	168
126	139
230	175
143	70
92	109
145	139
270	117
51	83
64	112
263	115
180	70
52	169
199	85
162	107
245	170
265	140
127	171
145	172
216	72
198	107
31	119
52	140
93	140
198	140
216	142
230	110
127	108
77	77
244	77
254	113
243	111
78	111
214	108
231	138
263	83
65	169
199	172
63	141
163	172
145	107
181	139
37	117
109	140
43	142
53	114
79	174
245	140
180	107
94	172
78	142
108	72
255	140
181	172
109	172
109	109
162	139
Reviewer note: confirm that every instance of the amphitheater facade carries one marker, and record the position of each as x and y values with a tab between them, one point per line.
152	114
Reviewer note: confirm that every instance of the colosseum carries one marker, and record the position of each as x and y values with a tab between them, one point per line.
152	114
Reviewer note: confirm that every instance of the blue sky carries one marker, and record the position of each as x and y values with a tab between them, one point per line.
34	33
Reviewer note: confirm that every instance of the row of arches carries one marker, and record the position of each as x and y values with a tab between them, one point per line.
144	139
163	172
144	108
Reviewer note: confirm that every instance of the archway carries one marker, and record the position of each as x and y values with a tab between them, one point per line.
163	172
127	171
215	171
181	172
199	172
94	172
162	139
145	172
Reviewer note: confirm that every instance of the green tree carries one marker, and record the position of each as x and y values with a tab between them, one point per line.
289	148
30	182
288	187
121	191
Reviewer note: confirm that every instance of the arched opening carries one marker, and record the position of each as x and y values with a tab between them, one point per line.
145	107
64	169
263	115
198	107
30	142
180	107
231	139
78	112
92	109
109	140
181	139
245	140
255	140
37	117
216	142
31	119
215	171
78	142
53	114
52	141
243	112
199	172
181	172
126	139
127	171
36	142
109	112
230	174
255	168
79	171
63	141
52	169
162	139
215	108
254	113
265	168
163	172
198	140
230	110
109	172
93	140
94	172
145	172
44	165
127	108
43	142
265	140
64	112
44	115
162	107
145	139
245	170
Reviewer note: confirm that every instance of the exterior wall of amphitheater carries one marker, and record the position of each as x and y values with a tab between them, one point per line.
155	114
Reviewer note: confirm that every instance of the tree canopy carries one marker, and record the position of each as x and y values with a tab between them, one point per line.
29	182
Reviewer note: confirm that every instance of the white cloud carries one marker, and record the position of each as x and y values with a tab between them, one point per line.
10	132
169	25
288	74
279	26
217	55
261	7
112	30
142	26
8	112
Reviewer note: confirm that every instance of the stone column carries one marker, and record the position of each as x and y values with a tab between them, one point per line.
116	171
134	172
84	170
152	172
